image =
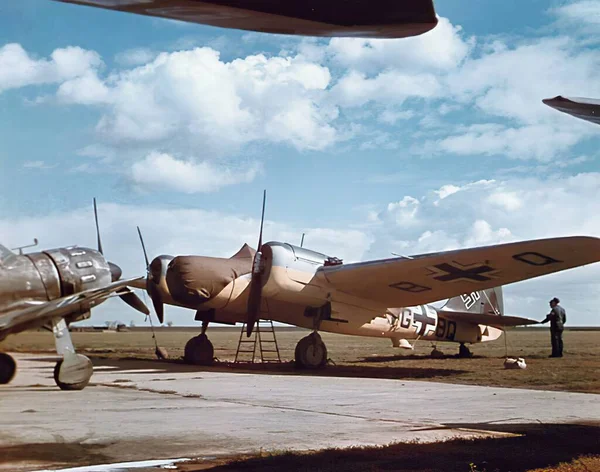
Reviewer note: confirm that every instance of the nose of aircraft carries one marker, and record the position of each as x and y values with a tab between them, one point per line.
115	271
156	269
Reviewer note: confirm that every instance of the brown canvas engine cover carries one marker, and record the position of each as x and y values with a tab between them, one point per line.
193	280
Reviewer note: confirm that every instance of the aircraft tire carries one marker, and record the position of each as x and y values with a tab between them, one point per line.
8	368
199	351
311	352
75	374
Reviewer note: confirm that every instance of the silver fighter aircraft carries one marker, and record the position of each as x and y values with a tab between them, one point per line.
52	289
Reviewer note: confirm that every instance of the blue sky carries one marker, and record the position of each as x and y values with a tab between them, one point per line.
409	145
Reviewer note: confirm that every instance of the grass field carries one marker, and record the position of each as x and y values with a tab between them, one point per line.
578	371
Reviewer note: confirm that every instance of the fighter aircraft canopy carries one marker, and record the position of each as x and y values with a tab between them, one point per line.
354	18
587	109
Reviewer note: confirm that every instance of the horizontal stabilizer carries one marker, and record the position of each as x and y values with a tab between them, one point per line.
488	320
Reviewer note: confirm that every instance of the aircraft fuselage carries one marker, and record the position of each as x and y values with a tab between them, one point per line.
295	293
36	278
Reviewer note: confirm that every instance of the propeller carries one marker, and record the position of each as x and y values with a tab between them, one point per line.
153	273
115	274
256	280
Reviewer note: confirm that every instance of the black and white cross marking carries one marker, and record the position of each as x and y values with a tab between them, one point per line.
424	319
452	272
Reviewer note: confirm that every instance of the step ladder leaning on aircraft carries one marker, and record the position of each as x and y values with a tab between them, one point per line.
51	289
297	286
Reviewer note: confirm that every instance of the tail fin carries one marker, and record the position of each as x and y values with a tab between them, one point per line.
484	302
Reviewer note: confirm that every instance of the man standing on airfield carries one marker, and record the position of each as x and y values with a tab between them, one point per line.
557	318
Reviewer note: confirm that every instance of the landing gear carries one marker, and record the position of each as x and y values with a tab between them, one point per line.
73	371
311	352
464	352
199	351
8	368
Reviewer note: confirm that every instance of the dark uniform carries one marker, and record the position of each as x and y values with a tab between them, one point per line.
557	318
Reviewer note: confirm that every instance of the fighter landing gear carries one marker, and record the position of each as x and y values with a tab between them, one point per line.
464	352
73	371
199	350
8	368
311	352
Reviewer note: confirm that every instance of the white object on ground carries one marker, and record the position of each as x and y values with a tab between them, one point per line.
518	363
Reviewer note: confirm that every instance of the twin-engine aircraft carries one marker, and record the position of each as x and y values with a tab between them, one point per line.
355	18
52	289
297	286
587	109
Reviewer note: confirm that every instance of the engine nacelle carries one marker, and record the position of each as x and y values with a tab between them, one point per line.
78	269
289	271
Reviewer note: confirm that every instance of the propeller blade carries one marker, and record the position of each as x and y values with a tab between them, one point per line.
133	300
143	247
256	283
157	301
97	228
151	282
254	301
262	220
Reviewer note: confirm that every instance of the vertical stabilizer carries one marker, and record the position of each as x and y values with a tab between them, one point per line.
485	302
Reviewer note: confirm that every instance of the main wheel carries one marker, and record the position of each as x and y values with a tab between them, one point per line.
8	368
199	351
311	352
73	372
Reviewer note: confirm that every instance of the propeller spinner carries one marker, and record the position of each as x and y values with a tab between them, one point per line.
256	281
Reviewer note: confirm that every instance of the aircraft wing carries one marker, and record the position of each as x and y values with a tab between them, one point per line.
587	109
487	320
432	277
356	18
38	313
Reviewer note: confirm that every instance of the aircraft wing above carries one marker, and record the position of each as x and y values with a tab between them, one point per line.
355	18
499	321
432	277
40	312
587	109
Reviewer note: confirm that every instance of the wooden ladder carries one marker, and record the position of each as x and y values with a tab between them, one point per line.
262	337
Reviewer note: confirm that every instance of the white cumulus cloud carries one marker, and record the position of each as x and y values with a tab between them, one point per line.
165	172
19	69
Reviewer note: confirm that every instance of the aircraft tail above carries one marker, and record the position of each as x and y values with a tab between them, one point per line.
485	307
484	302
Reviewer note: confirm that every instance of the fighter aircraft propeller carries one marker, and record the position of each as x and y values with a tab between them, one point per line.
256	281
115	274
